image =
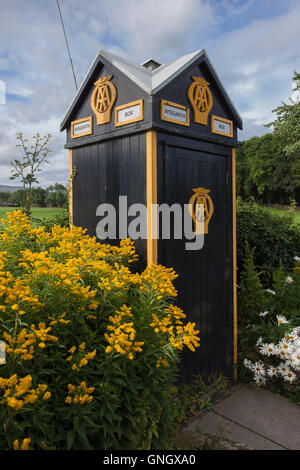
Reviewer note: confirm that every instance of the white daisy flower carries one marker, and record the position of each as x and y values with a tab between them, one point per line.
293	362
263	314
282	353
267	349
271	291
259	341
283	369
296	366
259	379
289	279
281	319
290	376
290	337
296	258
272	371
297	355
286	346
247	363
295	331
258	368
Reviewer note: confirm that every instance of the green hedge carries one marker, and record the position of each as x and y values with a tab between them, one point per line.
275	238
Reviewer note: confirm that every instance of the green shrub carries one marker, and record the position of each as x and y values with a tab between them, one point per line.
269	327
61	219
92	348
275	238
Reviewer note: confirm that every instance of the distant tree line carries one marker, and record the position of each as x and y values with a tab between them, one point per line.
268	167
55	195
267	172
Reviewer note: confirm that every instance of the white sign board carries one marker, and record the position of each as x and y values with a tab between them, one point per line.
174	112
128	113
81	127
221	126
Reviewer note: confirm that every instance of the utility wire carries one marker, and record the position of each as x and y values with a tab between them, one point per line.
63	27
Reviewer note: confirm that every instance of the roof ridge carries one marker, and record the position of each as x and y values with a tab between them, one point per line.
151	81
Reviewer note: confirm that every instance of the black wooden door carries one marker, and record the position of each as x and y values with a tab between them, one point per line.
204	275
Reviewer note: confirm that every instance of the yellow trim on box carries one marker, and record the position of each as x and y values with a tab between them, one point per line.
175	105
128	105
213	118
151	149
70	188
234	264
88	118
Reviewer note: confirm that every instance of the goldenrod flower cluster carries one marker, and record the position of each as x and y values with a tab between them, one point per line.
60	319
16	225
159	279
172	325
23	344
18	392
162	362
81	358
24	445
62	294
16	295
79	394
122	334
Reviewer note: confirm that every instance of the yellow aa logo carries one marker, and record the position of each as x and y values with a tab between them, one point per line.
201	209
103	98
201	99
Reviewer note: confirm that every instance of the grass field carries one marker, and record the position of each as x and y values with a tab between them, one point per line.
274	210
37	212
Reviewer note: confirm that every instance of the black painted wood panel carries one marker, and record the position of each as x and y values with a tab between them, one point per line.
103	172
205	276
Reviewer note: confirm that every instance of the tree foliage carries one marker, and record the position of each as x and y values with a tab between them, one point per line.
266	172
27	168
287	122
268	167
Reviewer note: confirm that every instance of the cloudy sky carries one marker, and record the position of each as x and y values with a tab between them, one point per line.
253	45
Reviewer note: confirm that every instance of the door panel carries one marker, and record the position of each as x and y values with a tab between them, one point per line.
203	274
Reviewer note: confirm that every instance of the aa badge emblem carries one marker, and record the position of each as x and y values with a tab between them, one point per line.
103	98
201	209
200	97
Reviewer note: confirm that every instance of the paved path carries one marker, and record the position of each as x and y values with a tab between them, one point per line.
254	418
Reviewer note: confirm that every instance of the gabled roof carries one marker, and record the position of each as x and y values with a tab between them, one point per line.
151	81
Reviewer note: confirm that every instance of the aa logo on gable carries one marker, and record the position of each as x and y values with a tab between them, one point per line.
103	99
200	97
201	213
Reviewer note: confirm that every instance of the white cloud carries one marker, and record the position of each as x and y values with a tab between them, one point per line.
255	62
258	69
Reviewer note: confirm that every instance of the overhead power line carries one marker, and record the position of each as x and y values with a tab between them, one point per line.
63	27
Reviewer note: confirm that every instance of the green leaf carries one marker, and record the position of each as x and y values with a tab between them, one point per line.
70	439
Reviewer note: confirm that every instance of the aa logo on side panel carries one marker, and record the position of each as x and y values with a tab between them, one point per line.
103	98
201	214
201	99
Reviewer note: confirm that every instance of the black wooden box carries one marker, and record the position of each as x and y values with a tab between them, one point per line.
165	134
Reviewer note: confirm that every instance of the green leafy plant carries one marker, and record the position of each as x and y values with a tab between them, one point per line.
26	170
275	239
91	347
269	328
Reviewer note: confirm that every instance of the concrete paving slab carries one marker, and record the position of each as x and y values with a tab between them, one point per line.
262	412
255	418
212	423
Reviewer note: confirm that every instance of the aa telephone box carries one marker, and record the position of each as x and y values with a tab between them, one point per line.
165	134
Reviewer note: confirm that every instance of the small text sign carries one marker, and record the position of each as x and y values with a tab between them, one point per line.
174	112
